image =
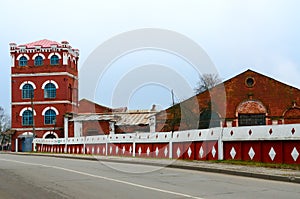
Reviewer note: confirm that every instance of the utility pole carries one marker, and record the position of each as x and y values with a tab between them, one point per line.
173	109
32	107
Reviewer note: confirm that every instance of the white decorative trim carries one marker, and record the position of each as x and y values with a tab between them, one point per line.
50	81
25	109
44	102
21	55
48	108
50	133
44	74
27	82
37	129
38	54
57	54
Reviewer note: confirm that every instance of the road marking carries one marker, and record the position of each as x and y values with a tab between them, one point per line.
106	178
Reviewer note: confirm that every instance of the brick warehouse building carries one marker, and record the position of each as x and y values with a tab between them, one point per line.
247	99
44	83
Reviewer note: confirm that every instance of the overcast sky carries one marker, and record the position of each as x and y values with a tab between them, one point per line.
262	35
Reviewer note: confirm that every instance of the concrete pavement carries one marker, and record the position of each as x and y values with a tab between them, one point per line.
285	175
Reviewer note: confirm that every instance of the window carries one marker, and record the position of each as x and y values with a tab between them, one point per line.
50	91
38	61
27	118
252	119
209	119
54	60
50	117
27	91
23	61
250	82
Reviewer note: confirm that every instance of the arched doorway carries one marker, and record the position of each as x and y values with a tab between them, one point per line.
209	119
251	113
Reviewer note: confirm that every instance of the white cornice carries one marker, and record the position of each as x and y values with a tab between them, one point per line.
37	129
43	74
44	102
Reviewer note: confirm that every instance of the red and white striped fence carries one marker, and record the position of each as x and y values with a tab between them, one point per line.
273	144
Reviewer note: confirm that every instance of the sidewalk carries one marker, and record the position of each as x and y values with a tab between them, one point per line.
286	175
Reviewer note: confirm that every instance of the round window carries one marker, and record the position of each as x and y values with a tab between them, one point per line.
250	82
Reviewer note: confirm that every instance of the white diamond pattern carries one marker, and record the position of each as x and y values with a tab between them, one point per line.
189	152
178	152
166	152
232	152
148	151
117	149
103	150
295	154
140	151
251	153
123	150
93	149
130	150
272	153
156	151
213	151
98	150
201	152
110	149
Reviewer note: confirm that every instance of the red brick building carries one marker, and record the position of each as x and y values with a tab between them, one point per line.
247	99
44	83
94	119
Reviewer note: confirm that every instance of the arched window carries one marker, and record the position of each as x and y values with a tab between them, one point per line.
23	61
27	118
50	136
251	113
50	91
27	91
50	117
54	60
209	119
38	61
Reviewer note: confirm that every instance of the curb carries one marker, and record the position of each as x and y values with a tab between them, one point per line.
144	161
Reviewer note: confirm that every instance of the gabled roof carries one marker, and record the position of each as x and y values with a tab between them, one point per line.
45	43
87	106
260	74
227	82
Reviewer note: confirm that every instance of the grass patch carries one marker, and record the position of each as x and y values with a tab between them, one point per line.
259	164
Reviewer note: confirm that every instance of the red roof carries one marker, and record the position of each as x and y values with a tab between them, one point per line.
43	43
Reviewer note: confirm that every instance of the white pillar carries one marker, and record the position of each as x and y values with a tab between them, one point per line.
220	146
66	132
34	146
133	146
66	126
16	146
77	129
171	149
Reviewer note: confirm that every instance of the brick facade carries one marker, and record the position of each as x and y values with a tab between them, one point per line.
249	93
63	74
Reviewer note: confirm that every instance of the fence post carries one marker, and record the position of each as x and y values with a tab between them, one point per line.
133	145
106	145
220	146
171	149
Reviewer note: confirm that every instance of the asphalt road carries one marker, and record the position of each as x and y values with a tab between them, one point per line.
46	177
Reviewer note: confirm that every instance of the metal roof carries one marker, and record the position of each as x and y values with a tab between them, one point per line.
45	43
121	119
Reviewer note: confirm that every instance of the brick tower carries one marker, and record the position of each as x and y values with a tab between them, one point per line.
44	88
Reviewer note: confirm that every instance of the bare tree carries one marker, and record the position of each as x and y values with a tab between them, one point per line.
207	81
4	126
4	121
